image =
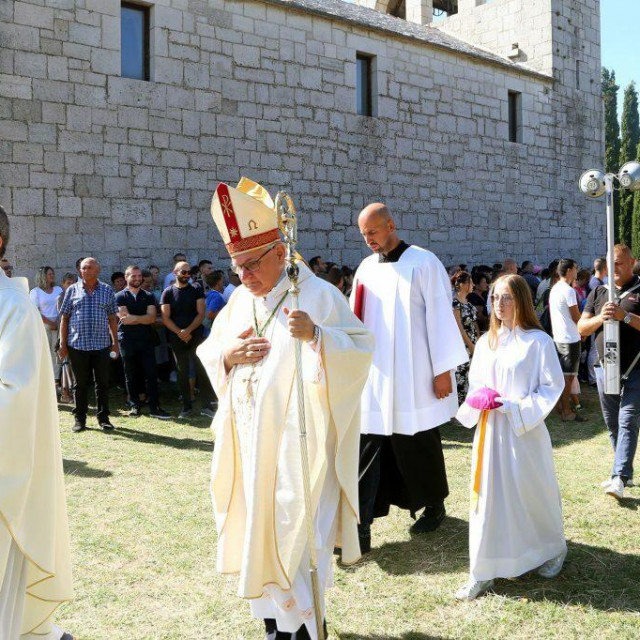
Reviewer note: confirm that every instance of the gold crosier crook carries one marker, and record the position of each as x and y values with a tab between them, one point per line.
288	223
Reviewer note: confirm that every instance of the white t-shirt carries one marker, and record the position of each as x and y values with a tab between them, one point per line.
228	290
47	303
562	296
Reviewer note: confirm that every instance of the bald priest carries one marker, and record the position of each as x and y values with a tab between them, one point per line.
35	559
256	479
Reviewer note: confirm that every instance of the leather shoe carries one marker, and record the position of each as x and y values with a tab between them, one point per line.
430	519
78	425
106	425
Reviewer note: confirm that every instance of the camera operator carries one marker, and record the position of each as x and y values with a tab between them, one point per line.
621	412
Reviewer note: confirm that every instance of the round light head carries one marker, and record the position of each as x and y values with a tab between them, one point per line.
592	183
630	176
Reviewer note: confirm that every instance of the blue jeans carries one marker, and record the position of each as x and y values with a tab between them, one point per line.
622	417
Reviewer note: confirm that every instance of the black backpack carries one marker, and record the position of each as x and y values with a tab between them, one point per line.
545	316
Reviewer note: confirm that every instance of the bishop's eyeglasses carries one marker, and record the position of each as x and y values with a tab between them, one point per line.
251	266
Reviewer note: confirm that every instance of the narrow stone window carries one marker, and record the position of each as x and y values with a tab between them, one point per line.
365	84
515	116
134	41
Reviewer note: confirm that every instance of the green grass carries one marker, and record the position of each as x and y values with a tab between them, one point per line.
143	544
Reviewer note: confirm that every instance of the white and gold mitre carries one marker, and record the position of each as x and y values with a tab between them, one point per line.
245	216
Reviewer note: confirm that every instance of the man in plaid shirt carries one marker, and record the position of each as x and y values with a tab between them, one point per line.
88	333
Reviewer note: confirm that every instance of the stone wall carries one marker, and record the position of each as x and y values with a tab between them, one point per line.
92	163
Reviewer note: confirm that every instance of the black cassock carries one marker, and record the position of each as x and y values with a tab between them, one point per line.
406	471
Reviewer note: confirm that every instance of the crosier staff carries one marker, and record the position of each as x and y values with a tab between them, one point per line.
288	222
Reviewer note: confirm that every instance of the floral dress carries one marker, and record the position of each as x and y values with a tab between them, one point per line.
469	317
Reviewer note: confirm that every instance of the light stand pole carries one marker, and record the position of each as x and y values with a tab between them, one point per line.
611	327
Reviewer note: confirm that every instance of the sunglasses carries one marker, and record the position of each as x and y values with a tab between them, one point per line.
184	272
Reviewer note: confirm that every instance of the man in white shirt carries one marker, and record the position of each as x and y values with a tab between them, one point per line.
234	282
563	307
403	296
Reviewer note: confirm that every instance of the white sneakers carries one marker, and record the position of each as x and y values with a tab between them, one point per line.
552	568
615	488
473	589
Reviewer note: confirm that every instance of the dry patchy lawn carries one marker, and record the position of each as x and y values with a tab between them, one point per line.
143	547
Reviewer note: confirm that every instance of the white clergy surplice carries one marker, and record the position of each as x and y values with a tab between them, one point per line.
516	525
407	305
256	481
35	562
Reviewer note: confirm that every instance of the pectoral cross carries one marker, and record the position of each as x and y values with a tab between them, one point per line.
249	381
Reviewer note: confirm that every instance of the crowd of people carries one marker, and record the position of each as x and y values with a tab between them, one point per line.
389	352
153	347
139	329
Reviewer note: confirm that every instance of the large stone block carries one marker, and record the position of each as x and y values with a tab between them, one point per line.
12	130
28	153
52	90
28	202
15	87
33	15
31	65
137	118
85	34
90	96
69	206
131	212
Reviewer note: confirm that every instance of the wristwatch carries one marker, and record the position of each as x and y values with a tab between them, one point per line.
316	336
627	318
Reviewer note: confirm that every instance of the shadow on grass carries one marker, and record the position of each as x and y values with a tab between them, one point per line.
410	635
592	576
81	469
444	550
167	441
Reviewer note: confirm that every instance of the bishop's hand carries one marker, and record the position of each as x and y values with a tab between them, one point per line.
246	349
300	325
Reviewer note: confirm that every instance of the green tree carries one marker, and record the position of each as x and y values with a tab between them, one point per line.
611	126
628	151
635	219
611	133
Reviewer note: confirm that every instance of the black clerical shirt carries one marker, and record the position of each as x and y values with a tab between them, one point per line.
394	254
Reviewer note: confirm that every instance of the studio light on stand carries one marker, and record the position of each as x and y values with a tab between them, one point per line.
594	184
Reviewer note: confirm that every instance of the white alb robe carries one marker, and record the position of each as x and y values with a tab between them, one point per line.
256	480
517	523
408	308
33	512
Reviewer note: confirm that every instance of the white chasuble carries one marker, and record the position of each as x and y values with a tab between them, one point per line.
256	482
33	511
407	305
516	524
